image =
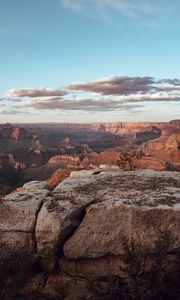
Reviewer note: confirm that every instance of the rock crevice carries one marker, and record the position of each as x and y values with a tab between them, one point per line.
99	234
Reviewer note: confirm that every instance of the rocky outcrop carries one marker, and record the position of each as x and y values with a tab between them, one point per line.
101	234
165	149
18	215
64	158
37	150
57	177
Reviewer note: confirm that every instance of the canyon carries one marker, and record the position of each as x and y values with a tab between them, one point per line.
77	223
35	151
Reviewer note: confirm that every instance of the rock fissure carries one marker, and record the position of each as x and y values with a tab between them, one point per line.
57	221
108	235
34	230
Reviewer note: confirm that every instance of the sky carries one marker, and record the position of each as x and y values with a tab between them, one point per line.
83	61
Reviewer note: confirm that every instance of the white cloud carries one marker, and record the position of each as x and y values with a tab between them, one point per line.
88	105
35	92
111	94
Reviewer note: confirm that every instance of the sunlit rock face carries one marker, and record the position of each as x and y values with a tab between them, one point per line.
35	151
162	153
101	233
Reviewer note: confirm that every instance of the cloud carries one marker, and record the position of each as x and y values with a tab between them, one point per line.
124	6
153	14
11	112
109	94
35	92
13	99
175	81
81	105
157	97
115	85
142	88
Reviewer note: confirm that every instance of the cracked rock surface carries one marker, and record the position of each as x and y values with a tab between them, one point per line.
18	215
91	237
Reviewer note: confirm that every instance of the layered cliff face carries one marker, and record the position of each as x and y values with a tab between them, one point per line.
38	150
166	148
101	234
22	144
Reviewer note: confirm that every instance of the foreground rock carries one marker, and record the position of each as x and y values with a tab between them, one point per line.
57	220
18	215
128	210
102	234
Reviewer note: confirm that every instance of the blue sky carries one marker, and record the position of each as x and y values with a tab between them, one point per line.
47	45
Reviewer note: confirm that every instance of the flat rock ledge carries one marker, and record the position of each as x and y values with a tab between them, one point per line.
101	234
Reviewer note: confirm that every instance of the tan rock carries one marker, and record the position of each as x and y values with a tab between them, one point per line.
35	185
18	215
106	227
57	220
128	226
139	206
79	179
19	210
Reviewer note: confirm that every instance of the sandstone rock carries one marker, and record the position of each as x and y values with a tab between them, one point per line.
64	158
106	227
165	148
136	206
57	177
18	215
19	210
81	173
57	220
127	241
79	179
35	185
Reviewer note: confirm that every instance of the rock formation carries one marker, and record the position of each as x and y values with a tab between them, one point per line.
165	149
101	234
57	177
38	149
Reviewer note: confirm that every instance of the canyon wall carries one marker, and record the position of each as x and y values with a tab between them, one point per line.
36	151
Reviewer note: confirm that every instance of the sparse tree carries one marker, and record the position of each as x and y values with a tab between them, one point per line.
127	161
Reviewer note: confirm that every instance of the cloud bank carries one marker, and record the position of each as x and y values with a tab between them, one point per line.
35	92
82	105
115	85
109	94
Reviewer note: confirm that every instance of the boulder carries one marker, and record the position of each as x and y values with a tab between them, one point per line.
35	185
58	219
108	226
79	179
137	210
18	215
102	234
